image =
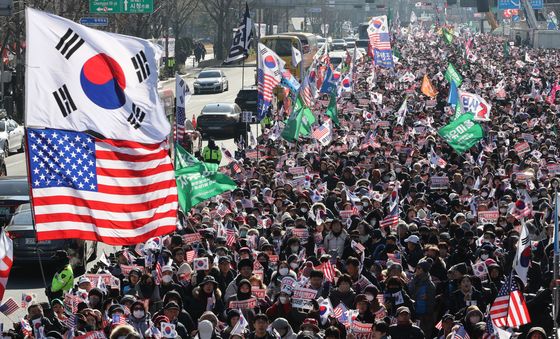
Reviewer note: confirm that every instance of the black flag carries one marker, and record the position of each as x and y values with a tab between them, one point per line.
242	40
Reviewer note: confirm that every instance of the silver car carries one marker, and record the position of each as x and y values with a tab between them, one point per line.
212	81
221	121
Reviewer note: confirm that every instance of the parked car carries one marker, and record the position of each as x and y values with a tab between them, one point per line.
14	191
11	136
221	121
338	44
247	100
211	80
27	250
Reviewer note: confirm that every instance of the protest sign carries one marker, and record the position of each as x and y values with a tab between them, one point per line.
243	304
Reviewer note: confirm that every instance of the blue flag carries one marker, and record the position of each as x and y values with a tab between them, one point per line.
331	81
383	58
453	94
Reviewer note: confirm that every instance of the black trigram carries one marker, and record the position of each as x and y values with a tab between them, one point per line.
136	116
64	101
141	66
69	43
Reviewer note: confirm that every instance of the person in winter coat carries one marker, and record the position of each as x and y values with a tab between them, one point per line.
281	308
335	240
365	315
404	327
139	318
423	291
282	271
147	289
207	297
245	269
206	330
184	317
282	326
232	317
465	296
395	296
343	292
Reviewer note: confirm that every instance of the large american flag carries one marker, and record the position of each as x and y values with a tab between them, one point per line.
509	308
306	93
113	191
9	307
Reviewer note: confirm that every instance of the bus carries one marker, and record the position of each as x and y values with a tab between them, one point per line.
282	44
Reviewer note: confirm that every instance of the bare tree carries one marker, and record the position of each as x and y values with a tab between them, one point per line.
219	11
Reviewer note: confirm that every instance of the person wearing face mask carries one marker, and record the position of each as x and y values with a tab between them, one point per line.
245	269
282	307
95	299
167	283
206	297
292	248
139	318
395	296
365	315
282	271
473	315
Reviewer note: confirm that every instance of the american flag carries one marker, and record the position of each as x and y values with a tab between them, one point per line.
268	77
159	272
328	270
182	96
231	237
341	313
113	191
490	332
358	247
439	325
392	219
9	307
320	132
251	154
70	322
380	41
306	93
236	168
118	320
191	255
461	333
509	308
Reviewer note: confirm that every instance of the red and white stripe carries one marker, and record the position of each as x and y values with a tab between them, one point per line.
329	271
191	255
267	87
231	237
6	261
136	198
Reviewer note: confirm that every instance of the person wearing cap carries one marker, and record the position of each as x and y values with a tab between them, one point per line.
404	327
63	279
130	283
167	281
171	310
413	251
226	273
83	284
309	326
447	323
245	271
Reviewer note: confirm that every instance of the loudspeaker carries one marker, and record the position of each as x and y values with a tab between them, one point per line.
482	6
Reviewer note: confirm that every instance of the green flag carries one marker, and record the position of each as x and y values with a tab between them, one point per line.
197	181
299	122
462	133
447	36
451	74
396	52
332	111
506	49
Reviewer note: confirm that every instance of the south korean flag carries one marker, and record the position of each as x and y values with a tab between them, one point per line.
81	79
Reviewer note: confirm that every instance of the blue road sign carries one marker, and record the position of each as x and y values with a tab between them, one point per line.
95	21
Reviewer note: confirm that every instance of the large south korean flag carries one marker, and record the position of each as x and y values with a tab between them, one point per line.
82	79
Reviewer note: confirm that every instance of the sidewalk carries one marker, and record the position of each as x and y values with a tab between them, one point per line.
191	67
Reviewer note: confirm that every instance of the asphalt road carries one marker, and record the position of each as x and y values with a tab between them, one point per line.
30	279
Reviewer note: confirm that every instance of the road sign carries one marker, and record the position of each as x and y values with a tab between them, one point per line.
246	116
95	21
121	6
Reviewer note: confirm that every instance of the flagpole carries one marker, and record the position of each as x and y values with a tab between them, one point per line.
556	257
243	73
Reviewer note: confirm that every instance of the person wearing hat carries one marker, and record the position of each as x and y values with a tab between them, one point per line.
310	325
226	273
84	284
63	279
184	317
404	327
139	318
57	307
447	323
147	289
423	291
206	297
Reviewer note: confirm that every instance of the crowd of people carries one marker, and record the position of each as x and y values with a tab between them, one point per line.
304	247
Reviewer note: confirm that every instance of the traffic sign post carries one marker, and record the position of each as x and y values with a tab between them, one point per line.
121	6
95	21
